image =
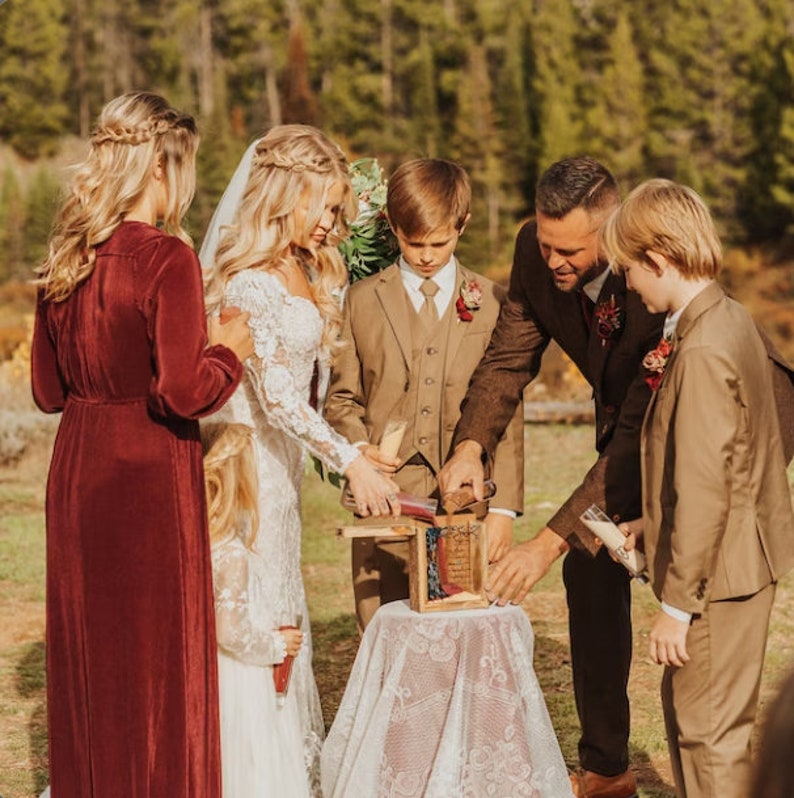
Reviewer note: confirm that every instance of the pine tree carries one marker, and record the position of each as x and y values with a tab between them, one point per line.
32	77
477	146
41	202
299	102
556	83
12	223
616	118
766	202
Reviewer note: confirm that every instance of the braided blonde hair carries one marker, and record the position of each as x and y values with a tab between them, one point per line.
230	478
290	162
134	132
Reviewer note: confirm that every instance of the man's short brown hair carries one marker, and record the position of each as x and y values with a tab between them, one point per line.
580	182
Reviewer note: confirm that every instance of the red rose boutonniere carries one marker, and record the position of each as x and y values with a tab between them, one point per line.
469	299
655	362
608	320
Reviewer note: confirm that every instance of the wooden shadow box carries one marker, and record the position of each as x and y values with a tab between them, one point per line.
448	561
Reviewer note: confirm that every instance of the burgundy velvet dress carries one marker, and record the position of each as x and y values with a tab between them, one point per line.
131	651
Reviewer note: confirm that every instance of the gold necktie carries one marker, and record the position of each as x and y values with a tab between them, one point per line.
429	312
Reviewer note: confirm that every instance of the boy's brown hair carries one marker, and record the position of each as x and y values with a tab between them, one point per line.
428	193
668	218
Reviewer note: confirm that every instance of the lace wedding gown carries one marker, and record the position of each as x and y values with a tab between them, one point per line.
273	399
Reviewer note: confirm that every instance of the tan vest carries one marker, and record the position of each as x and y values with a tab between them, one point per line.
422	403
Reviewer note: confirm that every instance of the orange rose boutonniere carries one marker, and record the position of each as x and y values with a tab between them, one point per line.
469	299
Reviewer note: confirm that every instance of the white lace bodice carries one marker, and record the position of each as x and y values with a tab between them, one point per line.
287	331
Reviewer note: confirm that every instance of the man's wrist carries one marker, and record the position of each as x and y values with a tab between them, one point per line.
469	448
553	542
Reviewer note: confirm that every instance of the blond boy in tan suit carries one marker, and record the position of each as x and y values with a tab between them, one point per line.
718	523
413	335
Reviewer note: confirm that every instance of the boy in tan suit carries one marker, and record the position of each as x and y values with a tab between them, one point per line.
718	523
413	335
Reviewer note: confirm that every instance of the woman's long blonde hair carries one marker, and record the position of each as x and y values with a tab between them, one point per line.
288	161
134	133
230	478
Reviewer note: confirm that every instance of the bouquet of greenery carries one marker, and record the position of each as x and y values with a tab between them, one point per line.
371	246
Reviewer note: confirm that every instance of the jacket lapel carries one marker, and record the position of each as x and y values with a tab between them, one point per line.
598	349
391	294
573	338
457	329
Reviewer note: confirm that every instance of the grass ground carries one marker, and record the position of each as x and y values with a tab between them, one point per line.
556	457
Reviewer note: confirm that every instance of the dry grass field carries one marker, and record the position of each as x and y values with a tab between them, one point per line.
556	456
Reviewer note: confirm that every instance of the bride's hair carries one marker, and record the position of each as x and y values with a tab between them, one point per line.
290	163
134	132
231	481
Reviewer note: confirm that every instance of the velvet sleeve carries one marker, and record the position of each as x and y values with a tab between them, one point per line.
49	390
190	380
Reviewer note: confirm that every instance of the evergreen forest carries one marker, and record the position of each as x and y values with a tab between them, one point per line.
701	91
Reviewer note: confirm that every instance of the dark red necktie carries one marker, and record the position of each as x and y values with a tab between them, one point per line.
588	307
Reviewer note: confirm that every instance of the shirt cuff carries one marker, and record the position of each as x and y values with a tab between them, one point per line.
679	615
502	511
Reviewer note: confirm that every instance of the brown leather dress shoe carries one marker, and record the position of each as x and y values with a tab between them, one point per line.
587	784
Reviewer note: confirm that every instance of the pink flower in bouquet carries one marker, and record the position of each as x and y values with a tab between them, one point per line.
655	362
470	299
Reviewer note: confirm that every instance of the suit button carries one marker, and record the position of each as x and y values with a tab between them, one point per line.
429	380
616	518
423	441
431	350
426	411
609	409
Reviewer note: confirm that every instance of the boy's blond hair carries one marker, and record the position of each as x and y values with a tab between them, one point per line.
428	193
668	218
134	132
230	478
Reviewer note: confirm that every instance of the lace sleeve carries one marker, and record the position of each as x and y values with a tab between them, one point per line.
271	375
237	632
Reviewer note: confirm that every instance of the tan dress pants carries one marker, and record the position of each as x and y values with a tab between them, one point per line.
710	704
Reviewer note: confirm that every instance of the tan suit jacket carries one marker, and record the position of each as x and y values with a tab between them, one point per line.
716	500
372	373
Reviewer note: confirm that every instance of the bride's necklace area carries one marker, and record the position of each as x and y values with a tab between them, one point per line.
296	278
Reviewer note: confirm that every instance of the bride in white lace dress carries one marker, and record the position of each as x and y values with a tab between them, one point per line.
271	251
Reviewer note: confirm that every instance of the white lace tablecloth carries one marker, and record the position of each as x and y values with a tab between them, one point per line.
444	705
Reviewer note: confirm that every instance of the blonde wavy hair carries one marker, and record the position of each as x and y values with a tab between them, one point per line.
230	478
289	162
664	217
134	133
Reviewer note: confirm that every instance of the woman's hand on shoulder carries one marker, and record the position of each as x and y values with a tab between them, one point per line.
231	330
375	493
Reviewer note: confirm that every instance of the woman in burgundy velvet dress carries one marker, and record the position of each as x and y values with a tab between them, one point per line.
120	346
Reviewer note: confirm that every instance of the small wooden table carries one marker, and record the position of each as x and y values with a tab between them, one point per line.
441	705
